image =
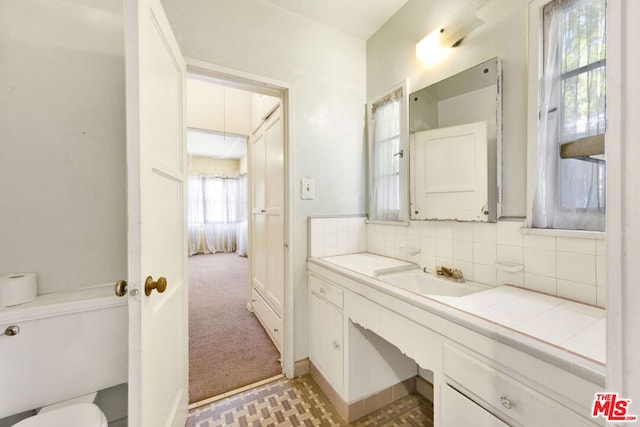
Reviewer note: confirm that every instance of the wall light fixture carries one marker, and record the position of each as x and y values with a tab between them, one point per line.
438	43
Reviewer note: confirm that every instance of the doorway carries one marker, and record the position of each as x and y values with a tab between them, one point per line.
232	343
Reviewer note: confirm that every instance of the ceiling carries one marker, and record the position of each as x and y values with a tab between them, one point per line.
360	18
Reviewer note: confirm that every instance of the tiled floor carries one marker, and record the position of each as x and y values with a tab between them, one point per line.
299	402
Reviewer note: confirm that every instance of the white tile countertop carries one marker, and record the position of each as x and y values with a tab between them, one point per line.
562	332
370	264
576	327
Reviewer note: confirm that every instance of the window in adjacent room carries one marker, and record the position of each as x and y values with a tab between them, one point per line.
387	157
570	188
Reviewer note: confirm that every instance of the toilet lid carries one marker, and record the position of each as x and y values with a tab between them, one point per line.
79	415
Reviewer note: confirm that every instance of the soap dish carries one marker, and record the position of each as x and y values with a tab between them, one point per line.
510	267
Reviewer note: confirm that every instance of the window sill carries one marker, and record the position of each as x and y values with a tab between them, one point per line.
394	223
577	234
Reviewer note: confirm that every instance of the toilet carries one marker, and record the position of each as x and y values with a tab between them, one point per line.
78	415
65	353
77	412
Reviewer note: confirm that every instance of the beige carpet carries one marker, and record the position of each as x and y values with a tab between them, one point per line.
228	348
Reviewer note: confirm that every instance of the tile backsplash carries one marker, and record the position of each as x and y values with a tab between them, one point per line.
337	235
490	253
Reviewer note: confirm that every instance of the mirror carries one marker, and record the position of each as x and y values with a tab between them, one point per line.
455	129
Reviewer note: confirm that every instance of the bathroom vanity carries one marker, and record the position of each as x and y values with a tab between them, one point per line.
499	356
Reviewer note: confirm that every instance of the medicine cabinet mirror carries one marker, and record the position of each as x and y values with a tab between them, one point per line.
455	134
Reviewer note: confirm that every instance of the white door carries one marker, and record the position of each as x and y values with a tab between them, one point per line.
274	173
155	81
450	173
267	169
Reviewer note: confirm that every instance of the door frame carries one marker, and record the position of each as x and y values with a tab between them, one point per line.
285	91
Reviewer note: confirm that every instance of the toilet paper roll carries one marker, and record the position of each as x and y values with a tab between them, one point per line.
18	288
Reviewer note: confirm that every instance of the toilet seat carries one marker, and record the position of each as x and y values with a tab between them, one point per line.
78	415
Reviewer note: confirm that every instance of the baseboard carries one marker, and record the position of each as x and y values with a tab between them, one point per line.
356	410
301	367
424	388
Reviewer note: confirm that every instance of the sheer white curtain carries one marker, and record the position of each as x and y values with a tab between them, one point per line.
195	213
570	193
243	216
220	214
216	211
384	160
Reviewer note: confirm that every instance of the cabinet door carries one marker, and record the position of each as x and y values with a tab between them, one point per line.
450	173
259	224
326	340
456	409
267	168
274	172
261	106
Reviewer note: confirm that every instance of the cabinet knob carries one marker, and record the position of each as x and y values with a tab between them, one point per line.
11	331
323	290
275	330
507	402
336	345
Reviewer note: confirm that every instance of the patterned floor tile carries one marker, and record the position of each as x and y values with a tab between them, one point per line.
299	402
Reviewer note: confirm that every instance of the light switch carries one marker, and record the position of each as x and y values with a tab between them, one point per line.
308	189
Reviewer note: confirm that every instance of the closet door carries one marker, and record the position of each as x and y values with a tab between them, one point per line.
258	209
274	171
267	206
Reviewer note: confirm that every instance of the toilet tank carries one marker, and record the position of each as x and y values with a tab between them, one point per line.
69	344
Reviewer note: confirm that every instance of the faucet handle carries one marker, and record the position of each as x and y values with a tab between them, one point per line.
456	274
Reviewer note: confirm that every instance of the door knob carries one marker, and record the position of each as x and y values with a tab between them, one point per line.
159	285
121	288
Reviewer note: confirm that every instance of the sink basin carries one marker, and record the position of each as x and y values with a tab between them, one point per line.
429	284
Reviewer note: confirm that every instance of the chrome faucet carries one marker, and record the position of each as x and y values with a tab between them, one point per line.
452	273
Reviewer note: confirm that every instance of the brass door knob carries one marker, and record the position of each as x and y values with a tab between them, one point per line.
121	288
159	285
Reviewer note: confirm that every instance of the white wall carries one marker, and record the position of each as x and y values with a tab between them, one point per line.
62	149
215	167
564	266
327	71
391	58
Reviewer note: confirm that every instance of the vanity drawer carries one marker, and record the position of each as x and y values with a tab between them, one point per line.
506	397
326	290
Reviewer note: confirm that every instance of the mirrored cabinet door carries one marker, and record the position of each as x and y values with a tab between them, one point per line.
455	130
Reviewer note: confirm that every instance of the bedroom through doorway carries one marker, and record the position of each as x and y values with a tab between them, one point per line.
229	348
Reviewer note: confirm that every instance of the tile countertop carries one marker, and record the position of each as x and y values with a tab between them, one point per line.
565	333
370	264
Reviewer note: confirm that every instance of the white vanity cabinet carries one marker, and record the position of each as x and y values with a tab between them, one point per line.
326	331
494	397
456	409
483	374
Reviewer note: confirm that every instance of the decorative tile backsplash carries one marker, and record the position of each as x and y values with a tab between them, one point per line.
490	253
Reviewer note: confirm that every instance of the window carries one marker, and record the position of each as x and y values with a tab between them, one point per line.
217	214
570	190
387	190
